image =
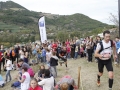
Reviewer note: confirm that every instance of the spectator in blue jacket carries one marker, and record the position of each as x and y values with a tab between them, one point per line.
117	43
117	47
44	54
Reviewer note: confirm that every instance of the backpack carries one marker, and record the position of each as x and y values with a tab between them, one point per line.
102	48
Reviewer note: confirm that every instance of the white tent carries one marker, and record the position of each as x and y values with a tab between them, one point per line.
101	35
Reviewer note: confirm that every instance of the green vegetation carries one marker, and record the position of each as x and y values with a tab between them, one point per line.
21	24
10	4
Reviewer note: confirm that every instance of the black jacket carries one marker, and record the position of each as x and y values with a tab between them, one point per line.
54	61
42	71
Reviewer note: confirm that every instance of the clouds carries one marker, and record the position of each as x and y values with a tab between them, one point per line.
96	9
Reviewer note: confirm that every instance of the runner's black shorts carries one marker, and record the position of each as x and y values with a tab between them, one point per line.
64	59
107	63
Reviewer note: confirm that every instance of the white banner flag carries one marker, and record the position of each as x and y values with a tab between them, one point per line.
42	29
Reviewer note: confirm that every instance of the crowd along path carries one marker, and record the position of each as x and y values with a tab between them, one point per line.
88	75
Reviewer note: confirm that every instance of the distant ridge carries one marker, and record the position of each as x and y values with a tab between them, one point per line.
13	13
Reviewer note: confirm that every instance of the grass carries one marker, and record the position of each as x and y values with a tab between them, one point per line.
88	75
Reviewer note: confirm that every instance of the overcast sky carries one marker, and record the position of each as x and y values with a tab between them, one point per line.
96	9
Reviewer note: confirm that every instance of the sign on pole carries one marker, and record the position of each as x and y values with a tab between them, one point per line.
42	29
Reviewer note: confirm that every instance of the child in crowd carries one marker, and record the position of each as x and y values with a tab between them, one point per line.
64	86
8	67
41	73
53	64
48	56
39	56
47	82
82	51
66	80
17	84
34	85
25	79
44	55
76	52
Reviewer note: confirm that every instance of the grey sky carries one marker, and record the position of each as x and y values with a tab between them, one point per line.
96	9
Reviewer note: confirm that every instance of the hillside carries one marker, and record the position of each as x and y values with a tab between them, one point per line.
17	21
75	22
11	5
13	13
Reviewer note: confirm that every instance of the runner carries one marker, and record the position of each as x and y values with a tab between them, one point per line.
104	53
63	55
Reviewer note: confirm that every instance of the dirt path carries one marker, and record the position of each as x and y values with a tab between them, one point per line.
88	75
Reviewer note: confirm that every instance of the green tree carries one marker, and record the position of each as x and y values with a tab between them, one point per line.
32	38
62	36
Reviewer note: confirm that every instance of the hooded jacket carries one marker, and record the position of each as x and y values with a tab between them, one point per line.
54	61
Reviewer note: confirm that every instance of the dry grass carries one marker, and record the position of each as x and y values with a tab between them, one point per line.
88	75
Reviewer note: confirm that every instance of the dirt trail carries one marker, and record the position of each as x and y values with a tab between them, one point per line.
88	75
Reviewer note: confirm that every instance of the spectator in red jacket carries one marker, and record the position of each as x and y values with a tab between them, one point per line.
67	42
34	85
54	46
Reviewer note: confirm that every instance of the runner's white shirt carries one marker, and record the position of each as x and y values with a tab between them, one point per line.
105	51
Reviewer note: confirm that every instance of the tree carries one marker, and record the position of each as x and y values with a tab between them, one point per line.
62	36
114	19
32	38
76	34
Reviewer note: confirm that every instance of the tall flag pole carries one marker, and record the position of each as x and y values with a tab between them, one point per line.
42	29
